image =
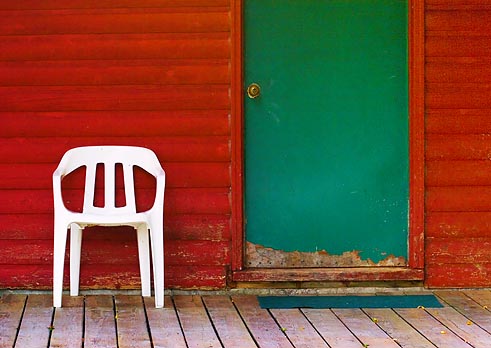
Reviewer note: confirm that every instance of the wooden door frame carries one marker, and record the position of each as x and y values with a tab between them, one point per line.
415	269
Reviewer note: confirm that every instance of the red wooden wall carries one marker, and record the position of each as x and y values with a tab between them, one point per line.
458	143
157	74
132	72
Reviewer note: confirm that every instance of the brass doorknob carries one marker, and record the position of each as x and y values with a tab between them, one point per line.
253	91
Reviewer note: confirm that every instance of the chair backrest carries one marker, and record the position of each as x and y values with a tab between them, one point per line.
109	156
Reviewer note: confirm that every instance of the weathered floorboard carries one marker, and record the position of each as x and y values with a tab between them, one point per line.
164	325
100	324
364	328
298	328
400	331
105	321
131	322
331	328
11	308
68	324
36	324
436	332
468	307
462	326
227	322
482	297
197	328
260	323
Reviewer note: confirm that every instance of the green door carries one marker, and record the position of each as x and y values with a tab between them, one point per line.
326	141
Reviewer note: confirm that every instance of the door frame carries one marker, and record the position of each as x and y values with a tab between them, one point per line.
415	268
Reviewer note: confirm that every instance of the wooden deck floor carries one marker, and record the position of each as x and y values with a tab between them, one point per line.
221	321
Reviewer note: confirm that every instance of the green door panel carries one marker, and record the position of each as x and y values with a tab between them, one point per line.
326	143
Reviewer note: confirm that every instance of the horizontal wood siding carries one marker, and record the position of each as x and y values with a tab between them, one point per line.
147	73
157	74
458	143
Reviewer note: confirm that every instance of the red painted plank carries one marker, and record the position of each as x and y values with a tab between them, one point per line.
114	72
113	277
27	226
177	201
458	275
457	5
40	252
122	123
458	199
115	46
416	67
116	252
237	138
198	253
128	277
340	274
458	69
458	95
27	277
108	276
458	250
196	277
459	121
120	98
458	224
176	227
113	22
458	147
458	173
178	175
176	149
83	4
466	21
448	44
197	227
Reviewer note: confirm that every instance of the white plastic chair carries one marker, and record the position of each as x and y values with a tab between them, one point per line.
110	214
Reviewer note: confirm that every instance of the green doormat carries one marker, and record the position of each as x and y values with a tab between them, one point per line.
383	301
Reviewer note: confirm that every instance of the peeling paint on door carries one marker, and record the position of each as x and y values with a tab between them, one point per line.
263	257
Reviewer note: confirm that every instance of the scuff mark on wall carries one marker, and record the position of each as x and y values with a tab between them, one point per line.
263	257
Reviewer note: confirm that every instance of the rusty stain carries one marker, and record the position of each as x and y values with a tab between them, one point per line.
263	257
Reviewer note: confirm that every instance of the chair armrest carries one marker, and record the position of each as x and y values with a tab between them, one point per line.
57	197
160	189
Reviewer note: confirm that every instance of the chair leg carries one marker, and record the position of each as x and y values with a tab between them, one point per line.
157	240
75	251
144	259
60	234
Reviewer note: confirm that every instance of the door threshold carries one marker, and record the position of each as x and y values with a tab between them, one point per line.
340	274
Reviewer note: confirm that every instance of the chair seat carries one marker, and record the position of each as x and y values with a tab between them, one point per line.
113	220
